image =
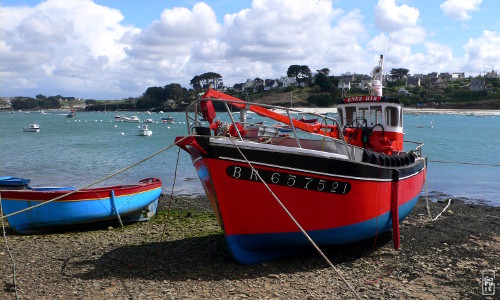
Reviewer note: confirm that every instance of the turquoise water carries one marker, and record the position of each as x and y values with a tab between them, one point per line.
79	151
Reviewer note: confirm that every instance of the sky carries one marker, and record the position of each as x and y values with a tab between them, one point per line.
114	49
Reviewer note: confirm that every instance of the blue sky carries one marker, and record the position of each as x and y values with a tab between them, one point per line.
109	49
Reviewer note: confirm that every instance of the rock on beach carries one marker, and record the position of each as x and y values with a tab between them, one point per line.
181	254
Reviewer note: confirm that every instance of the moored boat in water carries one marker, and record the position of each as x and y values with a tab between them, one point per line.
32	128
71	114
167	119
338	181
123	203
145	131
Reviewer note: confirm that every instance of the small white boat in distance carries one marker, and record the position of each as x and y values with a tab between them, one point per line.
148	121
121	118
133	119
32	128
168	119
145	131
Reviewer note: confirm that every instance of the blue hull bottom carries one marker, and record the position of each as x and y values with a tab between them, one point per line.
257	248
57	215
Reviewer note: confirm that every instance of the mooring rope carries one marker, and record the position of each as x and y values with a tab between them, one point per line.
297	223
463	163
428	207
449	200
14	281
171	198
98	181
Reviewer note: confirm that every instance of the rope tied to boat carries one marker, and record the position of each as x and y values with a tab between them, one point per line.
431	219
355	294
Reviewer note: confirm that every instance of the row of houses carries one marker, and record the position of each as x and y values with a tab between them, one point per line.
360	81
431	80
258	84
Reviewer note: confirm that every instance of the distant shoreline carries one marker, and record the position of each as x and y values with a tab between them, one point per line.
320	110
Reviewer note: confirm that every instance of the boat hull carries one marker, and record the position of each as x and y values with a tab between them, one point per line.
131	202
336	201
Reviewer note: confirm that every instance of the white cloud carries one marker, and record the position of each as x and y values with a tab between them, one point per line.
79	48
281	33
389	17
60	45
483	53
460	9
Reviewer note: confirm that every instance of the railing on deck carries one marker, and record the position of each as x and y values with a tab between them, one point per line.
193	122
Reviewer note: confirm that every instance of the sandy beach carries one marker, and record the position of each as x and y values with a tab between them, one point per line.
182	254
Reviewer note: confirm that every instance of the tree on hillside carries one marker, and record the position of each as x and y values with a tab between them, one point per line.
323	82
205	80
174	91
320	100
399	73
155	93
325	71
300	73
196	83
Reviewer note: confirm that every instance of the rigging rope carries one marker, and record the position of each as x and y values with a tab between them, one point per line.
96	182
297	223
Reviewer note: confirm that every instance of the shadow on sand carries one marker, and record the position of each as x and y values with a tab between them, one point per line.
204	258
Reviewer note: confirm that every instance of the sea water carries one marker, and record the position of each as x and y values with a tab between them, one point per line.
82	150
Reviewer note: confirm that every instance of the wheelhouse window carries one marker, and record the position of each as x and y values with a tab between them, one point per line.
363	114
392	116
350	115
375	115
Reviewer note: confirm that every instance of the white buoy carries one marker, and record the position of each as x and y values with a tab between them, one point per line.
123	133
168	127
116	126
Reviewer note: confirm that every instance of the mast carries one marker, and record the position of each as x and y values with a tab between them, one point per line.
375	85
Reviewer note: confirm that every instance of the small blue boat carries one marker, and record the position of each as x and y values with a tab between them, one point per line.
121	203
13	182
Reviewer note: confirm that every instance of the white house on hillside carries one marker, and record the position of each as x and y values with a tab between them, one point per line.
288	81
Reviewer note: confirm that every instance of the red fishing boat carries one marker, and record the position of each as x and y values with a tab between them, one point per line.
338	181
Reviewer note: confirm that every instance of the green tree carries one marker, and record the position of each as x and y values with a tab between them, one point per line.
325	71
321	100
203	81
399	73
174	91
196	83
300	73
323	82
